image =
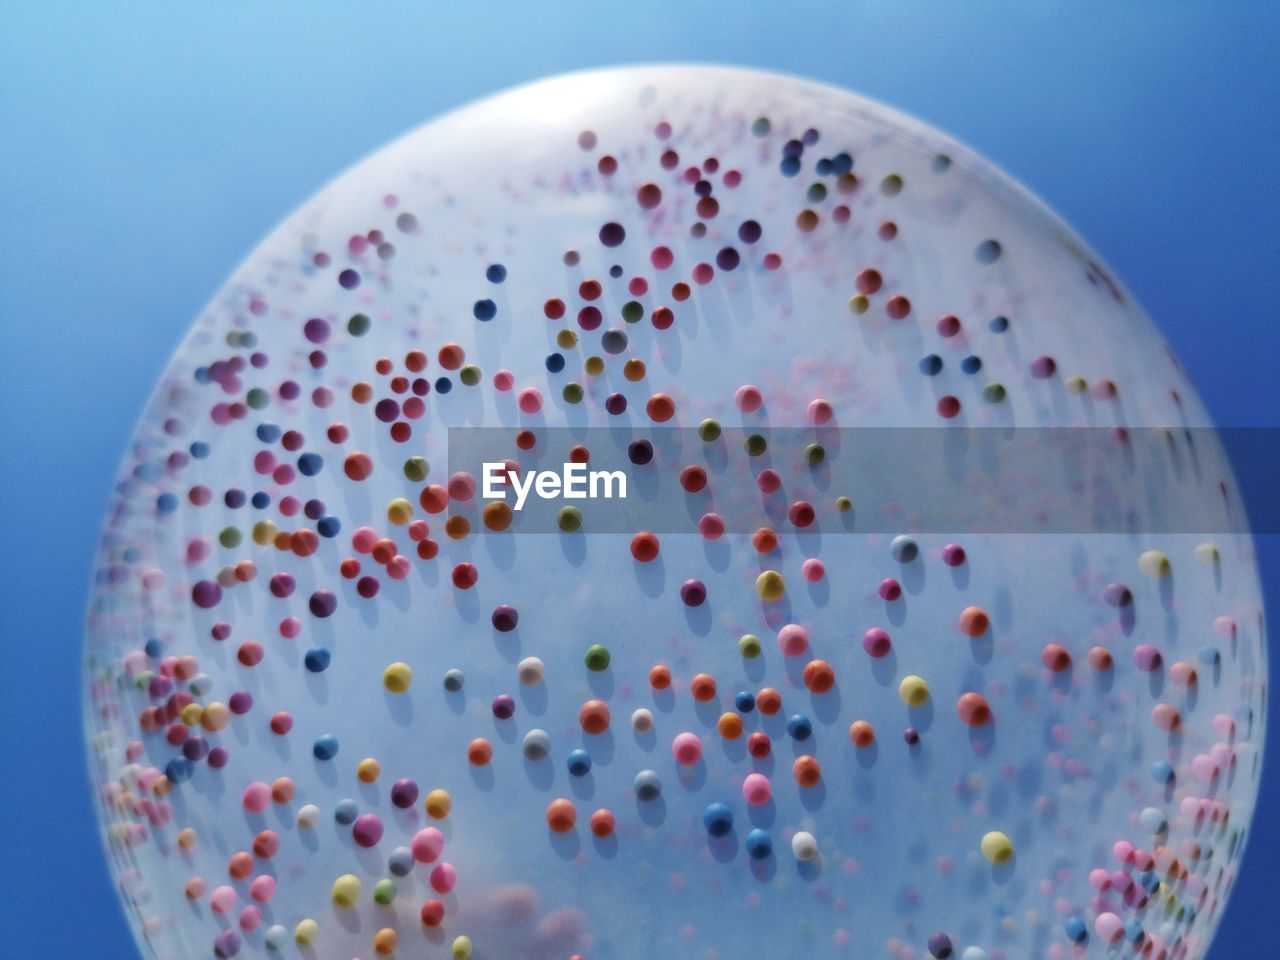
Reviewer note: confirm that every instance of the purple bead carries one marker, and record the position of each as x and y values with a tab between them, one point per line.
1147	658
316	330
940	946
876	642
504	706
206	594
323	604
241	702
505	618
282	585
218	757
227	944
1117	595
693	593
911	736
404	793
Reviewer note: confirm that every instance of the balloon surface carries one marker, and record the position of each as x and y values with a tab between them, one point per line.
341	706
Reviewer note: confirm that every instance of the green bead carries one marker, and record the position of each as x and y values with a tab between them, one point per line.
815	453
633	311
817	193
844	504
358	325
761	127
709	430
416	469
572	393
257	398
749	646
756	445
229	537
993	392
248	339
384	891
597	658
569	519
469	375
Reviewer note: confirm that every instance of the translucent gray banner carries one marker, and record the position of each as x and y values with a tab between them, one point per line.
866	480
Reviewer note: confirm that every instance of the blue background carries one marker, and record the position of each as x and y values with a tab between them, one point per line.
148	147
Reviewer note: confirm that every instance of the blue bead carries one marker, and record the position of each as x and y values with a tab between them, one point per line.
759	844
317	659
268	432
444	385
555	362
485	310
931	365
971	364
199	449
325	747
745	702
346	811
799	727
329	526
1075	930
154	648
999	325
166	503
579	763
1209	655
718	819
1133	931
261	500
1162	771
790	166
179	769
496	273
309	464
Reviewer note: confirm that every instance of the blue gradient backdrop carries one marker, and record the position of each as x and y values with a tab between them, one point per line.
145	148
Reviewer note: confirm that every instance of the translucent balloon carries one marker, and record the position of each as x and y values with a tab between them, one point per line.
342	705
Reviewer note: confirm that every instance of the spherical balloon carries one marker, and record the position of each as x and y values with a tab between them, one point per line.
342	702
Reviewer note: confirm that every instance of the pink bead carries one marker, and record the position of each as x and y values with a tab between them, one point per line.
793	640
820	412
250	918
711	526
257	796
362	540
876	642
263	888
748	398
1146	657
890	589
756	789
530	400
1109	927
222	900
427	845
504	380
768	481
443	878
813	569
462	486
687	749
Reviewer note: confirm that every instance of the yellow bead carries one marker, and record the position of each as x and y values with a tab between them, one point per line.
566	339
186	838
913	691
215	717
439	804
306	932
1207	553
858	304
191	714
264	533
399	511
1154	564
996	847
346	890
770	585
397	677
462	948
595	366
368	769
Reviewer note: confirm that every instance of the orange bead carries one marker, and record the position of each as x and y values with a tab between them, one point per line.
703	687
497	516
602	823
818	676
434	498
861	733
282	790
1055	657
769	701
594	716
479	751
973	709
1100	658
241	865
384	942
764	540
659	677
457	527
561	815
730	726
974	621
645	546
807	771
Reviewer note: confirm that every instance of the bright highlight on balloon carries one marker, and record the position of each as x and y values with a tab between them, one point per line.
341	706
